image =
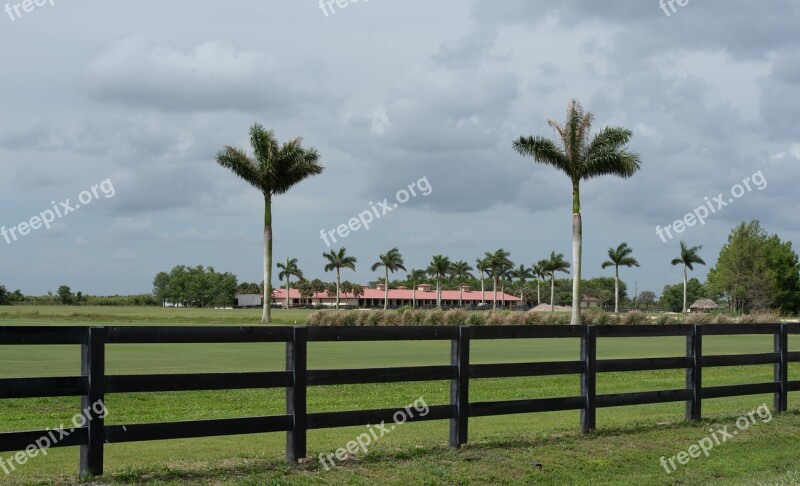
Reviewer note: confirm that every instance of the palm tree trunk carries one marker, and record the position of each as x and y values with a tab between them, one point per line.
538	291
685	283
386	291
494	286
616	291
577	242
414	297
483	292
438	293
337	289
288	288
460	296
266	314
552	292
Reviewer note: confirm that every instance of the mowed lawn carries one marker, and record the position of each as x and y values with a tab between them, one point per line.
515	449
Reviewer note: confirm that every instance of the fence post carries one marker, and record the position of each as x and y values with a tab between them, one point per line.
782	369
296	362
589	378
93	368
459	387
694	374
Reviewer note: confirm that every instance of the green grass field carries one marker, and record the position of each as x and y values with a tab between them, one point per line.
517	449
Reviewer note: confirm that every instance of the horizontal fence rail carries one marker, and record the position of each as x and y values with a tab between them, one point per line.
94	383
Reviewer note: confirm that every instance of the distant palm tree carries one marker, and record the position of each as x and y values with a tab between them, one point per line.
498	263
273	171
581	159
522	274
439	269
289	270
416	277
306	290
538	271
555	263
358	291
619	258
689	256
391	261
337	261
482	265
461	270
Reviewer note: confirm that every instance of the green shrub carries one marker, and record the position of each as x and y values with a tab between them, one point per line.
413	317
635	317
698	318
476	319
435	317
348	319
760	317
455	317
664	319
605	319
533	318
495	318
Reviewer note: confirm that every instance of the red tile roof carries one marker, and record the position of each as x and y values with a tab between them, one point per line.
402	294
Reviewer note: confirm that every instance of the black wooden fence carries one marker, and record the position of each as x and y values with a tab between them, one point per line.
94	384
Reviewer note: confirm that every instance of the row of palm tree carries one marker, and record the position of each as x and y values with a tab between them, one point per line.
274	169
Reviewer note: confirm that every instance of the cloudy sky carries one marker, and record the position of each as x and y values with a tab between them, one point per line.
143	94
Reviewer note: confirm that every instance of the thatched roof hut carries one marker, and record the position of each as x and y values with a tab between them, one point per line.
704	305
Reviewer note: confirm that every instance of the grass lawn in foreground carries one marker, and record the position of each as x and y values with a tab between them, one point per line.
502	449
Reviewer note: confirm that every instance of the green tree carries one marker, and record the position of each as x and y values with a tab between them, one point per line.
672	297
287	271
688	257
391	261
498	263
358	291
555	263
482	265
439	268
273	170
161	286
755	271
461	271
5	299
581	159
647	298
337	260
619	257
65	294
305	289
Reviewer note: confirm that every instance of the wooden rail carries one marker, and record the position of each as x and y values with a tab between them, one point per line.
94	384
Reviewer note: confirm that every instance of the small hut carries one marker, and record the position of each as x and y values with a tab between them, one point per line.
704	305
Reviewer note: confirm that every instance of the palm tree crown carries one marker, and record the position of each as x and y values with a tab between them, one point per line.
461	270
522	274
273	170
581	158
338	260
391	261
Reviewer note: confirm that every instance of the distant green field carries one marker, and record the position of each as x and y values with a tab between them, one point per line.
232	459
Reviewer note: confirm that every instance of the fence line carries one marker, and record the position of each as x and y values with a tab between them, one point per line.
94	384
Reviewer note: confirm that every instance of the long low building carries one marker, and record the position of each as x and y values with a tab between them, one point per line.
425	297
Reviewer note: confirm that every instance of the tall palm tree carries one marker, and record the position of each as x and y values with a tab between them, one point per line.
619	257
581	159
522	274
482	265
415	277
538	271
391	261
689	256
497	263
460	270
555	263
273	170
338	260
439	269
289	270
